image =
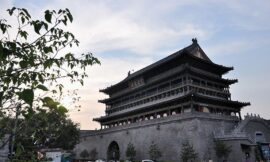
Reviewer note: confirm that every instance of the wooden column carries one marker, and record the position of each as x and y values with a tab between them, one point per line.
239	113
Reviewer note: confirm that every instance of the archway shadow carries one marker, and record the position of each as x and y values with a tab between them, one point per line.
113	152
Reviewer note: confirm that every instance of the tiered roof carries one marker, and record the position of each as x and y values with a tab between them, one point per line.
191	59
194	53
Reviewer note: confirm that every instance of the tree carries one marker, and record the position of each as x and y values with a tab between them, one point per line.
258	154
188	154
207	155
130	152
93	154
222	150
154	152
84	154
46	129
31	59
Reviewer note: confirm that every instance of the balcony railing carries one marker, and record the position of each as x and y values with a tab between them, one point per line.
150	97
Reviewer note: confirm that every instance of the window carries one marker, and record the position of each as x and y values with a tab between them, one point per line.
259	137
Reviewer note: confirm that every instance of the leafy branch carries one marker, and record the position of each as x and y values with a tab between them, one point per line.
34	59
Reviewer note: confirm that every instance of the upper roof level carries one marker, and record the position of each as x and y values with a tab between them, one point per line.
192	54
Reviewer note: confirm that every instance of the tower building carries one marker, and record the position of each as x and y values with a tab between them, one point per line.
184	82
183	97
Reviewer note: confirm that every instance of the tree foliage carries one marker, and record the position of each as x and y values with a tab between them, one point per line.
32	59
27	64
49	129
258	154
84	154
130	152
188	154
222	150
93	154
45	129
154	152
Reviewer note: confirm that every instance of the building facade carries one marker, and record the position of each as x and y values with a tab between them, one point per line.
180	98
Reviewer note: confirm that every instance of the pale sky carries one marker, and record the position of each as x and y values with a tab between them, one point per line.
131	34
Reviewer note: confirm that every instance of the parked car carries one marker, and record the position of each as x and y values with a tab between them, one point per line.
100	160
127	161
147	160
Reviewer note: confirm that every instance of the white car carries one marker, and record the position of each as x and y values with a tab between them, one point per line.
100	160
127	161
147	160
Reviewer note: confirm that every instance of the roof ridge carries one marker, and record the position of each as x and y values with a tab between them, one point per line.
194	50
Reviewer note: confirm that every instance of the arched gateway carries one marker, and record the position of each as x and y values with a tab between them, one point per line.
113	152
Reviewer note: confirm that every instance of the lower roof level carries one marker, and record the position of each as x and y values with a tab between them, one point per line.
162	120
191	100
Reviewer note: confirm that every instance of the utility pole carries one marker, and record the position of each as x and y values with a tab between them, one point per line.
14	131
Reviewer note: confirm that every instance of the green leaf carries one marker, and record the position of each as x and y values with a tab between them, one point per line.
48	63
23	34
40	78
19	149
12	45
37	27
64	21
50	103
14	80
66	35
23	64
60	87
42	87
62	110
47	99
46	26
1	52
26	12
3	28
33	76
27	95
69	56
1	97
57	63
47	49
48	16
70	17
10	11
23	20
60	11
81	81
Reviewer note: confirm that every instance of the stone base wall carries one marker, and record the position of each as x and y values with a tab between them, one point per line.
168	134
4	149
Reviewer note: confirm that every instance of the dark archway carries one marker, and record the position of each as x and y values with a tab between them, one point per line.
113	152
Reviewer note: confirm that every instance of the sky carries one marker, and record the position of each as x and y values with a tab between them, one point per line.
127	35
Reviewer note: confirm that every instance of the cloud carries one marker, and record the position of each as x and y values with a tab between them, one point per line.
142	32
229	48
110	72
104	26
